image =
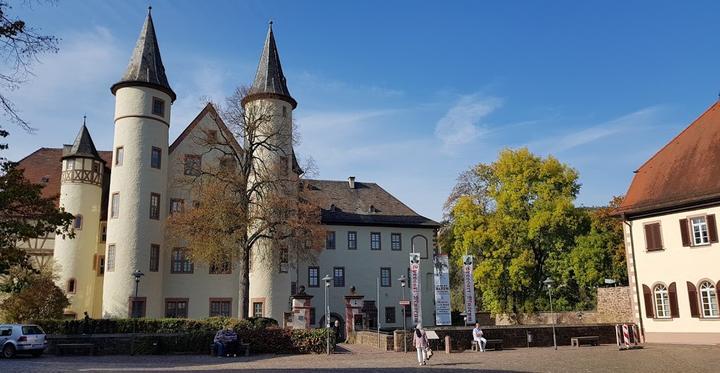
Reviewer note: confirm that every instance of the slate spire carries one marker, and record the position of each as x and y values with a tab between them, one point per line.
83	146
269	78
146	67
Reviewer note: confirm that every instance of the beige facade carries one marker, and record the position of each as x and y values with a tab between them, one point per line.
674	263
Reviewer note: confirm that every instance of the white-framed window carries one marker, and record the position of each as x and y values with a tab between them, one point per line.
313	277
352	240
115	206
374	240
257	309
110	259
177	205
395	241
662	302
699	230
709	299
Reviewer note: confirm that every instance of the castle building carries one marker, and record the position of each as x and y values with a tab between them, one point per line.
122	198
671	236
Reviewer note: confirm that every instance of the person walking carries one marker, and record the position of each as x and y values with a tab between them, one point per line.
420	342
478	337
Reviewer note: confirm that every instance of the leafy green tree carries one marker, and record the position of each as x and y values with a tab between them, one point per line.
600	253
517	217
38	299
24	215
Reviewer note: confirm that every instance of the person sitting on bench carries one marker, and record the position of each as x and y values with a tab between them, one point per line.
225	342
478	337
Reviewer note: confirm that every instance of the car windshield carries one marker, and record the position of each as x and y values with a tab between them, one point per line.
31	329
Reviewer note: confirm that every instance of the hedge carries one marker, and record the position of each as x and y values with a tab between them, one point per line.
196	335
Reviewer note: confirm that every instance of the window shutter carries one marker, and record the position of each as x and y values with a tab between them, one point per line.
712	228
685	232
692	295
649	238
648	302
657	237
672	292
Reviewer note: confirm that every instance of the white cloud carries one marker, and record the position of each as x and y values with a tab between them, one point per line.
461	124
638	119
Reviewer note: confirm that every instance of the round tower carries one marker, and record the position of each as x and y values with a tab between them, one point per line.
138	183
80	195
270	105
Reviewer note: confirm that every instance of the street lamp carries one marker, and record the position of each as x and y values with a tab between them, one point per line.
327	279
549	283
403	282
137	274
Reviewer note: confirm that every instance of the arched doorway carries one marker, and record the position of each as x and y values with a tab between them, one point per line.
341	325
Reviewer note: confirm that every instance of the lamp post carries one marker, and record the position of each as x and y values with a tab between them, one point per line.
549	283
137	274
327	279
403	282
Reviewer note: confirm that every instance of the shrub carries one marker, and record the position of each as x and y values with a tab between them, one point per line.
41	298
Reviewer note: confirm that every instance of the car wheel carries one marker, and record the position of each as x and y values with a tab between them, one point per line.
36	353
8	351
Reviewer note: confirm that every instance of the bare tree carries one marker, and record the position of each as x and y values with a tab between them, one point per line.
20	46
252	198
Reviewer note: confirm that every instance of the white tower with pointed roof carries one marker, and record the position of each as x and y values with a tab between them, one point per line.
269	97
137	206
80	195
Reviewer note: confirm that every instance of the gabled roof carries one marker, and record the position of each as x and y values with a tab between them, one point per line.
146	67
269	78
209	109
45	166
683	173
366	204
82	147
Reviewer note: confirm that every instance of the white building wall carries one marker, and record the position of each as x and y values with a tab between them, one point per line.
137	130
74	257
678	264
200	286
362	268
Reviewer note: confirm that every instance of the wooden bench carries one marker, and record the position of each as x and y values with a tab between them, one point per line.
89	347
239	346
592	340
496	344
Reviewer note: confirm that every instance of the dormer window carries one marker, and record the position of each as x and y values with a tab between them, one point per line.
333	208
372	209
158	107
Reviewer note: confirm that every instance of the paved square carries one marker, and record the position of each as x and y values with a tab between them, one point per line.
653	358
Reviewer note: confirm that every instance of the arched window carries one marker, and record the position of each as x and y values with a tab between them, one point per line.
78	222
708	299
662	301
71	286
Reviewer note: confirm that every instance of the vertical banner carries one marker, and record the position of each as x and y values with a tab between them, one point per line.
469	289
442	289
415	300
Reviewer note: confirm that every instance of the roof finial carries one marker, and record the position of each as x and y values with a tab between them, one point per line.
84	118
149	9
270	22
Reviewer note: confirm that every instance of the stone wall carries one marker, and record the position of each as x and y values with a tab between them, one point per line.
516	336
614	305
370	338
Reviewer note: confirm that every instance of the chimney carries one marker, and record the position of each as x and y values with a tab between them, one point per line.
351	182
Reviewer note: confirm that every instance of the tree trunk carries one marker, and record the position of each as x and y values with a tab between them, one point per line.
244	296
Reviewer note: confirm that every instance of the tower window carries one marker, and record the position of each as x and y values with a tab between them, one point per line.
158	107
115	206
119	155
284	111
71	286
154	206
155	157
78	222
100	265
96	166
110	261
70	164
154	257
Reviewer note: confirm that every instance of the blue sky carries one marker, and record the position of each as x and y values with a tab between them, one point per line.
402	93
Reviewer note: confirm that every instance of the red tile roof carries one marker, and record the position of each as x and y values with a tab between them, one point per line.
683	173
46	163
